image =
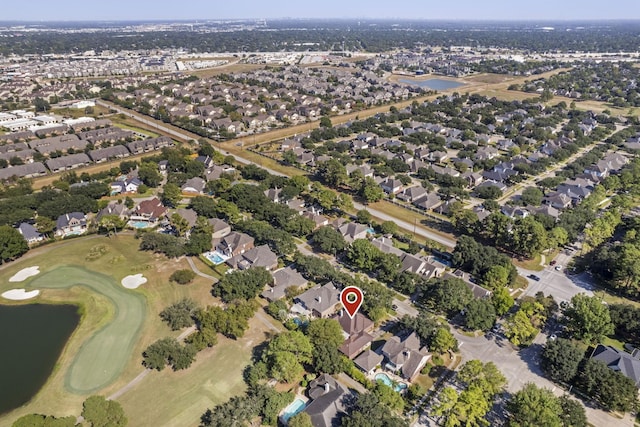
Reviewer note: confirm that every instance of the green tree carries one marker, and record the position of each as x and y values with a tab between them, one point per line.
171	194
532	196
325	332
389	227
100	412
502	301
111	223
560	360
529	237
363	216
573	413
448	295
588	318
242	284
370	191
149	174
388	397
328	240
480	315
533	407
443	340
519	329
363	255
611	388
180	314
37	420
45	225
12	244
333	173
301	419
486	376
285	367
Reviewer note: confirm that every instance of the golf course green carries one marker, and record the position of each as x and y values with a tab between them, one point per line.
103	356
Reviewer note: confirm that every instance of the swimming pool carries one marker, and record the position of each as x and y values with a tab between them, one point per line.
294	408
139	224
384	378
215	257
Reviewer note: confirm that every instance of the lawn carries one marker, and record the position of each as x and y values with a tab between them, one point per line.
529	264
111	259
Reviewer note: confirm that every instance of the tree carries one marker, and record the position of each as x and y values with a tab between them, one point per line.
242	284
332	172
389	227
285	367
448	295
45	225
611	388
489	192
443	340
532	196
325	122
363	216
369	411
100	412
171	194
329	240
388	397
149	174
370	191
485	376
588	318
480	315
325	332
573	413
529	237
111	223
180	314
38	420
519	329
560	360
502	301
301	419
12	244
533	407
362	254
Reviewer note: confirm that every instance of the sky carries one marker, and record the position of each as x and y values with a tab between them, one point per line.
74	10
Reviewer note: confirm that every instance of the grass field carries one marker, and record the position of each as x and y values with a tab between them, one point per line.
111	259
110	347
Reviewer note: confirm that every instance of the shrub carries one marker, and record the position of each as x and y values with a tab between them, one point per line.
182	277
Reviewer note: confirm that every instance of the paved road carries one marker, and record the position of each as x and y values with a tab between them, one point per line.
421	231
198	272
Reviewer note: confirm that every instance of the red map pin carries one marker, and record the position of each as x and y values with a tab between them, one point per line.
351	298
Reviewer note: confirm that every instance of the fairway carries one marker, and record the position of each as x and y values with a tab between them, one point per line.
102	357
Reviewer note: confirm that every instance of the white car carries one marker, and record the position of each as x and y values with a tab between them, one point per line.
558	267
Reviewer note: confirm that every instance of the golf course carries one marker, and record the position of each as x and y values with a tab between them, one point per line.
104	353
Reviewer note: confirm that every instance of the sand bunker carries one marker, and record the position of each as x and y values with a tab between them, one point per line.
20	294
24	274
132	282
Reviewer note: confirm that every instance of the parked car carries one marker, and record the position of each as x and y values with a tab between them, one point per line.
534	277
553	262
558	267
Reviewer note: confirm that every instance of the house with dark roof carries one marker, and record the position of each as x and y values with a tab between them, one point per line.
356	344
194	185
68	162
113	208
73	223
234	244
30	233
329	400
405	356
283	279
260	256
618	360
368	361
412	194
352	231
319	301
109	153
127	186
149	211
29	170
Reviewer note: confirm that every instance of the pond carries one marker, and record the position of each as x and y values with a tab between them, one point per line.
32	338
433	84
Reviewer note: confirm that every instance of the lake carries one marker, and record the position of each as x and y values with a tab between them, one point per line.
32	338
433	84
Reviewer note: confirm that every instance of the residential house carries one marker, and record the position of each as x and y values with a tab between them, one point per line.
220	228
283	279
352	231
194	185
412	194
109	153
557	200
69	224
260	256
429	202
368	361
391	186
128	186
514	212
234	244
30	233
405	356
619	360
329	400
319	301
149	211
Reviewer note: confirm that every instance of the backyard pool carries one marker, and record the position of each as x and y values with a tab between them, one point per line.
294	408
384	378
139	224
215	257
